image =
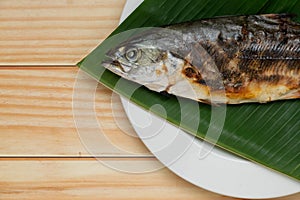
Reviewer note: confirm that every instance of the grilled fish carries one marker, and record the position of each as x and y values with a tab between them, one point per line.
231	60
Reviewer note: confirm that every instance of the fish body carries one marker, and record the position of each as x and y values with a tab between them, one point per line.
230	60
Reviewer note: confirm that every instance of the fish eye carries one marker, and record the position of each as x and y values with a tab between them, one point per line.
132	54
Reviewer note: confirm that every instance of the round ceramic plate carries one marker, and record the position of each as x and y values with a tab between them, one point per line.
219	171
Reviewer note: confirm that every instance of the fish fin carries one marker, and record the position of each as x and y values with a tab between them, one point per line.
287	16
275	22
189	58
200	56
294	94
206	102
155	87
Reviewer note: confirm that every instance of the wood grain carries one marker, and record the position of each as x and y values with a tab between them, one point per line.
36	117
91	180
54	32
42	179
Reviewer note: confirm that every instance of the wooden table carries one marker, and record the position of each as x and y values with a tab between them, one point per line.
42	156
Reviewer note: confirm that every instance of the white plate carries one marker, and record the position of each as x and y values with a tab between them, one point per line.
219	172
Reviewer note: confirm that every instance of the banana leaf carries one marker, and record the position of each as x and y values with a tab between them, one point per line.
268	134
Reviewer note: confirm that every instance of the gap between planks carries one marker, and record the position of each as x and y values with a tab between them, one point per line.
76	158
36	67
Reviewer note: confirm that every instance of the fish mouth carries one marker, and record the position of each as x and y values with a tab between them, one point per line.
114	66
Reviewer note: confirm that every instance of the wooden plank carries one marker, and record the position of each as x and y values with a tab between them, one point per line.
54	32
36	117
42	179
92	180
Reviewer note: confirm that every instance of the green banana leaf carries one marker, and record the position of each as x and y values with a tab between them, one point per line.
268	134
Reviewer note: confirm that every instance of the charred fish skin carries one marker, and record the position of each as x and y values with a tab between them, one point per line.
236	59
258	56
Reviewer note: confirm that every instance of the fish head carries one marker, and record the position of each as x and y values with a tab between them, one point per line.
154	58
134	61
144	61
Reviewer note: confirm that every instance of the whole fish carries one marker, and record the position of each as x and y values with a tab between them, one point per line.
232	60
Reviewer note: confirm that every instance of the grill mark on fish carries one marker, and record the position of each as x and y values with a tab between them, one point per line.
271	51
269	56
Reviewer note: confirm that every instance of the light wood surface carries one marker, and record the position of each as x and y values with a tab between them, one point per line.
41	153
36	110
89	179
54	32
